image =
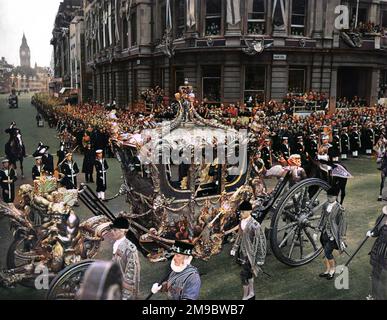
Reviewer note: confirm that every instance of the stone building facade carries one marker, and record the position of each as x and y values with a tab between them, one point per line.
230	50
60	41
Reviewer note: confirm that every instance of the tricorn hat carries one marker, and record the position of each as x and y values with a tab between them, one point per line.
120	223
184	248
245	206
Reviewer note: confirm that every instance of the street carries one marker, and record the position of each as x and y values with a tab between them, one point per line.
220	276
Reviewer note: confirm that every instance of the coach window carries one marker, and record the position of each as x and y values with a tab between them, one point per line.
256	17
211	83
299	8
254	84
297	80
213	23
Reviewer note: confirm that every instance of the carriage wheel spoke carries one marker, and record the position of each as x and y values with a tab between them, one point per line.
301	244
292	245
290	225
311	239
314	198
287	237
305	197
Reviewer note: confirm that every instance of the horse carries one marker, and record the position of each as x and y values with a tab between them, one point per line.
15	152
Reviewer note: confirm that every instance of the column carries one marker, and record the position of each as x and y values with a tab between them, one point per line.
333	91
375	78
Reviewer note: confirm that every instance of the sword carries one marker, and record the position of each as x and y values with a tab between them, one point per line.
355	253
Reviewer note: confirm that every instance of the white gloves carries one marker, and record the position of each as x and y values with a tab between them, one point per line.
156	288
232	253
370	234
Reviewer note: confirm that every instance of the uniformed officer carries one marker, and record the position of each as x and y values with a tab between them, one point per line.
335	151
369	139
285	149
184	281
61	153
37	169
355	142
266	154
88	164
312	147
7	181
125	254
70	171
101	167
345	146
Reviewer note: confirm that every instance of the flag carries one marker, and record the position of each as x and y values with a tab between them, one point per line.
191	17
233	12
117	16
110	22
283	10
168	16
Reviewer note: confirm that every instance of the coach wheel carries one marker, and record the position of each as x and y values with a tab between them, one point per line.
295	236
19	254
102	281
67	283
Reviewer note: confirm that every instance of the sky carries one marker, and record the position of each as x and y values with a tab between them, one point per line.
33	17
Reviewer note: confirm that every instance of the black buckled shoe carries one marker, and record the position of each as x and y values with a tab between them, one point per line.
323	275
330	276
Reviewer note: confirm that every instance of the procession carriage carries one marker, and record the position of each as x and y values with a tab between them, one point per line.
173	193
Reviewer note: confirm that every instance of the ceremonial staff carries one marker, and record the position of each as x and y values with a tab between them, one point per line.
355	253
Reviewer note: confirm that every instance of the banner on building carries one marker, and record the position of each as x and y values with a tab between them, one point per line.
233	12
191	16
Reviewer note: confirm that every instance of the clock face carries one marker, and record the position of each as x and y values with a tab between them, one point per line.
23	53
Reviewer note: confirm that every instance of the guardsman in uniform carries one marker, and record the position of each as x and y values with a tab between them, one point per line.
61	153
184	281
249	249
312	147
88	164
301	150
335	151
345	146
333	228
37	169
47	159
355	142
70	170
285	149
7	181
266	154
369	140
125	254
101	168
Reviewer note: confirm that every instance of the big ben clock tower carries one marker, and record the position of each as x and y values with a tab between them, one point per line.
25	56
